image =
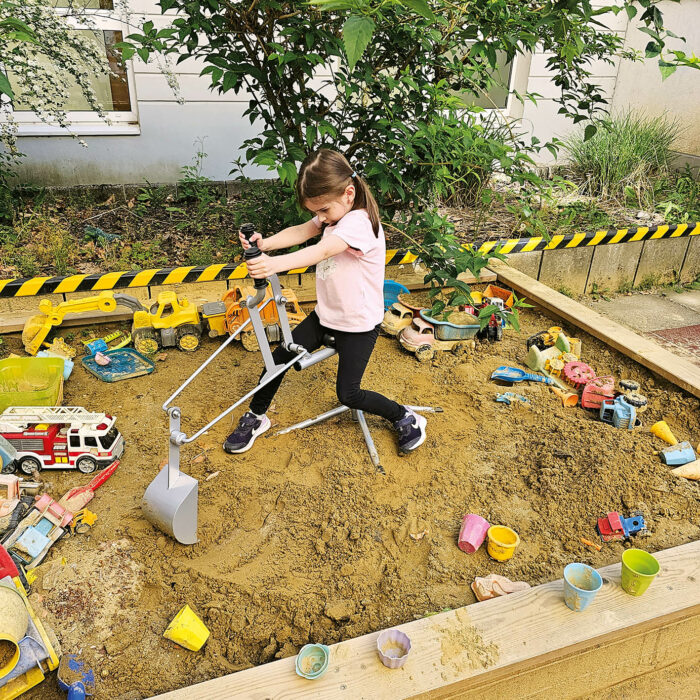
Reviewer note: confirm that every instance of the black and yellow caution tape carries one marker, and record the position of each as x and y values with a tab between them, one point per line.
35	286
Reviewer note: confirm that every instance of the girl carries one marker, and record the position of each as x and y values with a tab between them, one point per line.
349	261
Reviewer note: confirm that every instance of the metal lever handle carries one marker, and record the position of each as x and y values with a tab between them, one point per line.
247	231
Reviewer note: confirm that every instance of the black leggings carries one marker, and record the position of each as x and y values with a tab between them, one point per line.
354	350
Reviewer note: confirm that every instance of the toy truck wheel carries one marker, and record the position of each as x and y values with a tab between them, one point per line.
9	468
86	465
188	337
145	341
29	465
249	341
425	353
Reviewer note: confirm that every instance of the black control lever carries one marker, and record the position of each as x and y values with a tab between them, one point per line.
247	230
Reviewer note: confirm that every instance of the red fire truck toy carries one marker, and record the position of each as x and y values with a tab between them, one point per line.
62	437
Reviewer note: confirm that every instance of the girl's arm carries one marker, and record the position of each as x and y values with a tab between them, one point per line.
288	237
327	247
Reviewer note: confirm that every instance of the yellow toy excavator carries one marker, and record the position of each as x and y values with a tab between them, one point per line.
37	328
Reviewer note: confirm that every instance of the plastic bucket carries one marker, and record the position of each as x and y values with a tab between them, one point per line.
473	533
502	542
187	630
312	661
14	619
581	583
639	569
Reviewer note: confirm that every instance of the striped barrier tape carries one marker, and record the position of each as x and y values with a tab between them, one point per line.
35	286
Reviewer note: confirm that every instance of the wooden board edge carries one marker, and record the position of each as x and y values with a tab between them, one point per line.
653	612
602	646
646	352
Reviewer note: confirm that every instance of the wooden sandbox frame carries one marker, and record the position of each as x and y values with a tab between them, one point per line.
541	644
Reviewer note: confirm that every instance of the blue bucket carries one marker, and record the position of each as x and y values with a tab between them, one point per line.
581	583
444	330
391	292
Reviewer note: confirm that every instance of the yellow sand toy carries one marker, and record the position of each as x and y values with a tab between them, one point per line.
171	322
37	328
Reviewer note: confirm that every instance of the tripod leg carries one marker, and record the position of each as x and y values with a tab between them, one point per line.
313	421
373	454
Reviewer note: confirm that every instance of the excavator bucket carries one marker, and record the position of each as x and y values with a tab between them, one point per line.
34	332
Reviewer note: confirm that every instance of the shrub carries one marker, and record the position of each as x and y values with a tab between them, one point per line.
624	159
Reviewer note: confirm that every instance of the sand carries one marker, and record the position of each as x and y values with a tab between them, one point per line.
301	540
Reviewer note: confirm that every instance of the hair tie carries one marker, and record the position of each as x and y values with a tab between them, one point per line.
354	174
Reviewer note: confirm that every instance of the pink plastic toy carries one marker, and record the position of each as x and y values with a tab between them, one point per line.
473	532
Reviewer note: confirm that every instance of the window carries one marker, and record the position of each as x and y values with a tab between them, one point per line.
74	441
115	92
90	442
498	93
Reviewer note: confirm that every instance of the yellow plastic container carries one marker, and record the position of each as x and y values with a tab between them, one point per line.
187	630
502	542
31	381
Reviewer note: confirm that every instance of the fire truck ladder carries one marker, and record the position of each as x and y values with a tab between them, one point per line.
16	415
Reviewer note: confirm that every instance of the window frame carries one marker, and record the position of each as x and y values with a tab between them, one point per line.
87	123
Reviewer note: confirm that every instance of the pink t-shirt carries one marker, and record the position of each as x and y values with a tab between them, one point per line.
350	286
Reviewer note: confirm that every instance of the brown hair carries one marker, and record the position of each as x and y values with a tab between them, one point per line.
325	172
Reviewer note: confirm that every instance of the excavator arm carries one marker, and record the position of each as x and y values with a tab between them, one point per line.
37	328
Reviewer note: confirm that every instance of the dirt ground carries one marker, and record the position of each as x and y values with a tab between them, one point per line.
301	540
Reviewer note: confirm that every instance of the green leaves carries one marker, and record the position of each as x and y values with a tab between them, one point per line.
420	7
357	32
5	87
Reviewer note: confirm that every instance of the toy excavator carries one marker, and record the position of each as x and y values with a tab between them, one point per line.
37	328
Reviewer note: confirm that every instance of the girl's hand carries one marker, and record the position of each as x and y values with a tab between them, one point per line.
262	266
255	238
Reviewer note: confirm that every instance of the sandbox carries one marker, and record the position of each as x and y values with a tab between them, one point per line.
301	540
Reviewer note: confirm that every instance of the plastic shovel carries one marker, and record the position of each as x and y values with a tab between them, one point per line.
513	374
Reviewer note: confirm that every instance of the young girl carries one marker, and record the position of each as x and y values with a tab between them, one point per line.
349	261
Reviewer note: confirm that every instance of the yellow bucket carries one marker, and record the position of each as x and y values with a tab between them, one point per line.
187	630
502	542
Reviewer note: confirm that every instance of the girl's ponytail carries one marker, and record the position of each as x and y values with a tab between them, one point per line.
364	199
327	172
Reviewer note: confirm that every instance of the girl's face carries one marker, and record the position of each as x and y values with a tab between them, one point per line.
330	209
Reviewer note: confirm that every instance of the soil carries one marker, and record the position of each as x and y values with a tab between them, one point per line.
301	540
7	651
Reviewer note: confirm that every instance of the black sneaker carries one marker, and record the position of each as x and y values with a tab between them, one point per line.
411	429
243	437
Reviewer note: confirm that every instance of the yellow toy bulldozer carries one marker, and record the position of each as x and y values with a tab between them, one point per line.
170	322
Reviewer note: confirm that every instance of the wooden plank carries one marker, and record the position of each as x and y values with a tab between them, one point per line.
676	369
14	323
482	644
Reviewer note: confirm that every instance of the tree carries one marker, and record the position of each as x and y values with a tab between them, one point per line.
388	83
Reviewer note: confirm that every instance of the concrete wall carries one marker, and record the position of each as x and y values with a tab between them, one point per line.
639	85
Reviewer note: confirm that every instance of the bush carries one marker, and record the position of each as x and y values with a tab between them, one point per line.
626	158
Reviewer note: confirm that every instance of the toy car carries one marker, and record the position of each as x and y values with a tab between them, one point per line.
419	339
396	318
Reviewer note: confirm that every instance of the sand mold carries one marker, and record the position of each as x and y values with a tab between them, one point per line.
300	540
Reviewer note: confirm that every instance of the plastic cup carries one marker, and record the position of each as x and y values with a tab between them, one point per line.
639	569
581	583
502	542
312	661
473	533
393	647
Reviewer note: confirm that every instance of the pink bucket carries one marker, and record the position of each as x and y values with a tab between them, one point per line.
473	533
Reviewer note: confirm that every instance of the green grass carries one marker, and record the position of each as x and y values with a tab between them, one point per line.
566	292
625	159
